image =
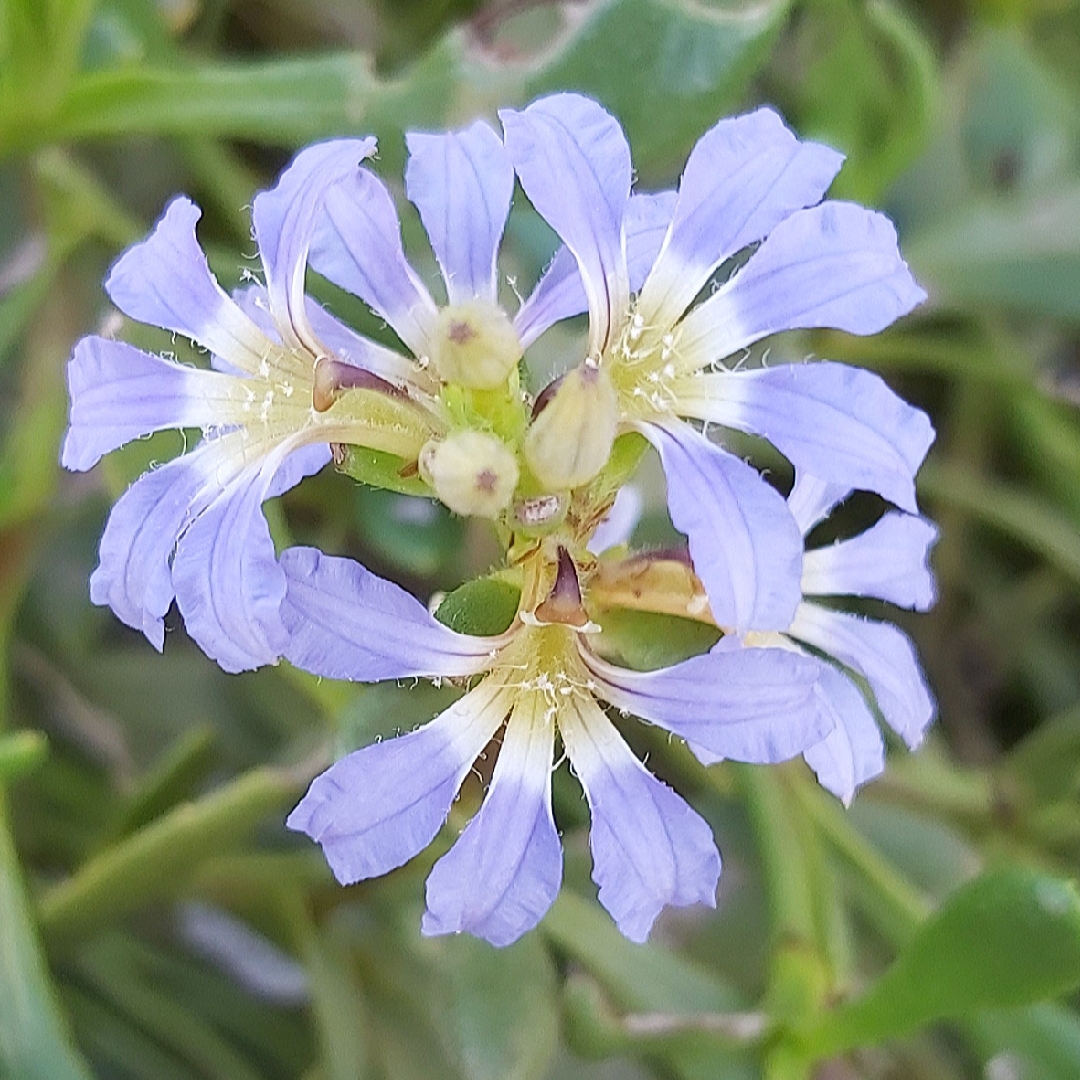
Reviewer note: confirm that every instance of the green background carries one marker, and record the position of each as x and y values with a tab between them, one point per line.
157	922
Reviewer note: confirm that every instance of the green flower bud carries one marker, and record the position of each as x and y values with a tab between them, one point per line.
473	473
475	344
570	440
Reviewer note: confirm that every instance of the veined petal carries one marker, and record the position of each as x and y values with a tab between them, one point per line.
345	622
284	220
165	281
853	752
813	499
229	586
119	393
504	872
342	341
357	245
346	344
462	183
883	654
887	561
840	423
836	265
744	543
574	163
376	808
133	576
747	704
650	849
560	293
743	177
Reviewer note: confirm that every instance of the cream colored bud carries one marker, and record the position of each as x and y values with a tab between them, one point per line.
569	442
475	344
473	473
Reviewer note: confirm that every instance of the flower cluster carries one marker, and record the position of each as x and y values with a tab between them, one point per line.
673	305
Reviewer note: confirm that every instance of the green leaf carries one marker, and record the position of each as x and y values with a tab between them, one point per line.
21	752
1046	763
503	1015
1021	254
1011	937
159	859
1038	1043
33	1043
337	1002
639	978
1014	511
694	58
482	607
190	1037
865	82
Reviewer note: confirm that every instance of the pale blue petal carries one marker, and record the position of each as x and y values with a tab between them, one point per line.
744	543
839	423
376	808
836	265
883	655
560	293
165	281
345	622
341	341
743	177
229	586
306	461
621	521
284	220
650	849
574	163
853	752
758	705
504	872
133	576
888	561
346	344
119	393
813	499
462	183
357	245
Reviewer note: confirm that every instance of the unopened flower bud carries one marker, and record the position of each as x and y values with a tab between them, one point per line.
473	473
475	344
570	441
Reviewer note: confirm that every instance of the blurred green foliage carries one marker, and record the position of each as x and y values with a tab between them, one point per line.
157	923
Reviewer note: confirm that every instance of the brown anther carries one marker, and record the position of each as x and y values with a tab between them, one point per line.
486	481
333	377
339	452
543	399
564	604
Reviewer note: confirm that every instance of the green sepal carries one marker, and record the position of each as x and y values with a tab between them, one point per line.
626	454
647	640
482	608
381	470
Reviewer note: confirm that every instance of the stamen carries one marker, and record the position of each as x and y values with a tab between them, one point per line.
333	378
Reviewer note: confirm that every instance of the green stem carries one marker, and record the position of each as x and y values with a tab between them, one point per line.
898	906
798	976
160	859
